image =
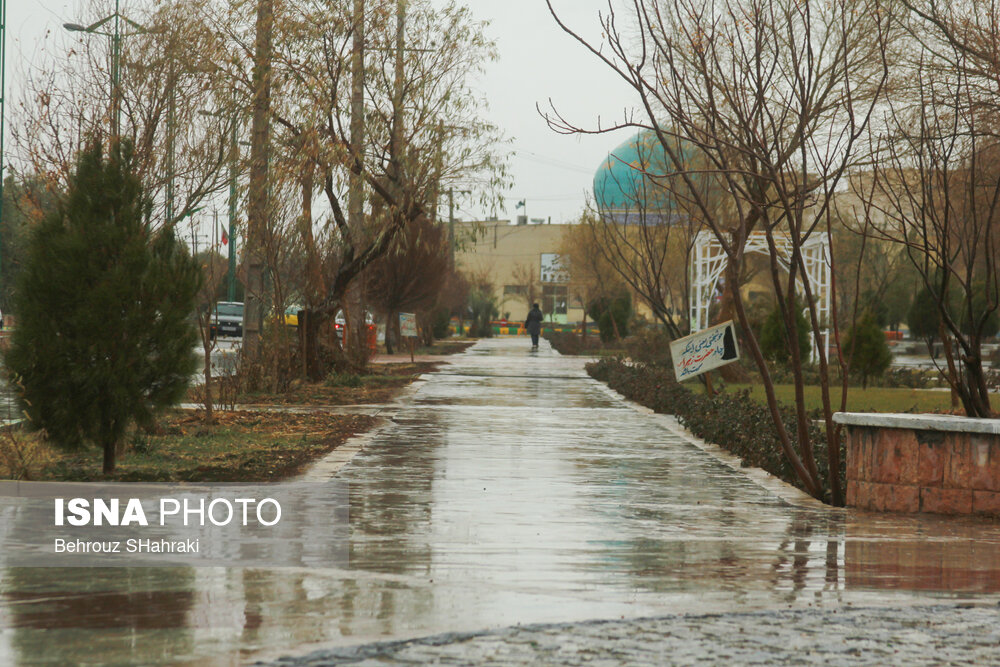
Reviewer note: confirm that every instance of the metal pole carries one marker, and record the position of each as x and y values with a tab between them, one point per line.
233	159
170	140
397	100
438	164
451	224
3	113
116	106
356	201
354	309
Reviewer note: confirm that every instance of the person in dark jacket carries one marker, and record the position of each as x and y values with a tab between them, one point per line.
534	324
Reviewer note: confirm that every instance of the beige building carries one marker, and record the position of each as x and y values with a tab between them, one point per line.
523	263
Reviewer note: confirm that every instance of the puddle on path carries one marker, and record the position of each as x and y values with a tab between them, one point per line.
511	489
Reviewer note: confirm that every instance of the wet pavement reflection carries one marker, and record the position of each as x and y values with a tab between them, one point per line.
509	489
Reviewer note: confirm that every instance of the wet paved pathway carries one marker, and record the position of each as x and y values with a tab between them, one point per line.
512	489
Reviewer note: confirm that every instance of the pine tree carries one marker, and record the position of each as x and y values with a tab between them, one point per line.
870	355
105	336
774	335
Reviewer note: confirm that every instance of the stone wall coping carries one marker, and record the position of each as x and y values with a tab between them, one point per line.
919	422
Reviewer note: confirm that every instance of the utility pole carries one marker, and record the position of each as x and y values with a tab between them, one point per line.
259	204
354	308
397	102
171	86
438	168
451	225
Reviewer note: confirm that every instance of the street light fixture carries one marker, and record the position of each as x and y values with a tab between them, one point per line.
116	39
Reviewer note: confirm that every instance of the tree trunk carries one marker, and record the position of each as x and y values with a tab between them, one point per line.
209	416
388	333
109	444
309	324
733	373
258	209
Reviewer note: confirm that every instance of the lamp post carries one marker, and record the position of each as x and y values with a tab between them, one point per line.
3	108
233	166
116	41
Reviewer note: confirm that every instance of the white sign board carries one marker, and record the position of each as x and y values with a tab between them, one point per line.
702	351
407	325
555	268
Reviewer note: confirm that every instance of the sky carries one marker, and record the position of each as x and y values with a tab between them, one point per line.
537	62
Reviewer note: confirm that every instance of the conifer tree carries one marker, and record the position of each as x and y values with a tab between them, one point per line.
105	336
869	352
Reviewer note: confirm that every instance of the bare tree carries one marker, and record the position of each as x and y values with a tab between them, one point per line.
936	192
168	74
528	283
410	275
212	269
775	95
422	126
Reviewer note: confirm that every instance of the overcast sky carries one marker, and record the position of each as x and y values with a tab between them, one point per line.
554	173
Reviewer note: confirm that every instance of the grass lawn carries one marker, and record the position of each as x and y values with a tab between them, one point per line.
873	399
240	446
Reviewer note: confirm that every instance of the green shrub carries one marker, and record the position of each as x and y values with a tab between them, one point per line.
482	311
650	345
440	321
612	314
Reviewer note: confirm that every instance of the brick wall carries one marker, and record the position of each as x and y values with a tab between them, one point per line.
917	470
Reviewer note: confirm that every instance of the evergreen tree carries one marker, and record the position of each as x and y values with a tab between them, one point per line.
870	355
774	336
612	314
924	318
105	336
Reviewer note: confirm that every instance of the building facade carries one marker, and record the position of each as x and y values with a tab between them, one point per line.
523	263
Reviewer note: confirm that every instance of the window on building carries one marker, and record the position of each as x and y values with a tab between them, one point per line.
515	290
555	299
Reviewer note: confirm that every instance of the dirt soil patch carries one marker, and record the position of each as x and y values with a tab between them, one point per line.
239	447
381	384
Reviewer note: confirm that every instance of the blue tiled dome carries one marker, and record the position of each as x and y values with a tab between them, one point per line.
623	188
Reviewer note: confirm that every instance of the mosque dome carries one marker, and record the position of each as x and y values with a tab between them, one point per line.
625	187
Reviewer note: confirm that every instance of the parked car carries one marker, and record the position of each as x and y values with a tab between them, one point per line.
292	315
228	319
289	319
339	322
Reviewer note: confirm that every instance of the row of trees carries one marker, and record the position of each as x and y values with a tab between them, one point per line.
358	114
788	119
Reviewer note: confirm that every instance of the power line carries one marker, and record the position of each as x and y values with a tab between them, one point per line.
552	162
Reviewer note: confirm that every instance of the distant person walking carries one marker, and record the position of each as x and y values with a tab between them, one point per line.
534	324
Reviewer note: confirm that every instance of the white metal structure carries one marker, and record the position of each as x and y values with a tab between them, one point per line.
709	262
